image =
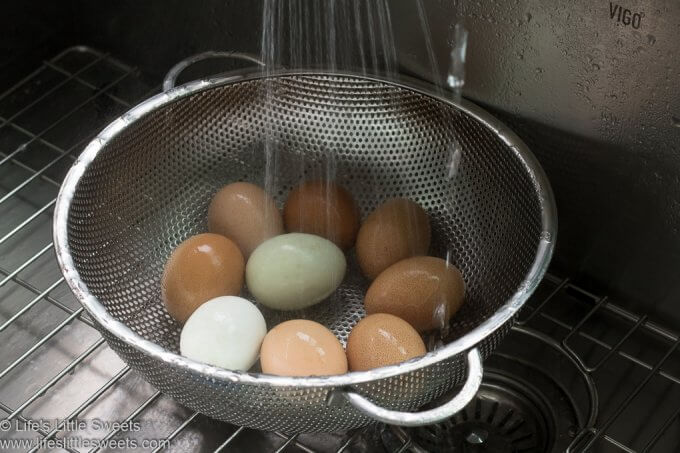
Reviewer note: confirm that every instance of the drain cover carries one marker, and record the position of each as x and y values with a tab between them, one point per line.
505	417
524	405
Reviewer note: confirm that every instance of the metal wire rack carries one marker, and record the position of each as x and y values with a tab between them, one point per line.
633	361
54	366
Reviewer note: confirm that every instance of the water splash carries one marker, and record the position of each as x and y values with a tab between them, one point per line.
456	76
455	155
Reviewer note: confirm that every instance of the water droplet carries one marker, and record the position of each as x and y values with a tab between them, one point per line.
477	437
528	17
539	70
651	39
128	117
595	66
456	76
20	148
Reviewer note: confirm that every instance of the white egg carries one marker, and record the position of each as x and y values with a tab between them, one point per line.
294	271
226	331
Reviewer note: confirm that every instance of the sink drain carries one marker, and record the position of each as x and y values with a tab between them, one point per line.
533	399
506	416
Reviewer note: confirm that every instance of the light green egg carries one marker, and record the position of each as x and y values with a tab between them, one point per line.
294	271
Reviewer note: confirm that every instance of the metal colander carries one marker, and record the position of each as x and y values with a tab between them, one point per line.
144	184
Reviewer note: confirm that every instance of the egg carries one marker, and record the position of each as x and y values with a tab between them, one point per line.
380	340
424	291
396	230
246	214
323	208
226	332
200	268
302	348
294	270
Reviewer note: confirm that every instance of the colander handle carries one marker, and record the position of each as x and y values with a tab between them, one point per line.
174	72
457	403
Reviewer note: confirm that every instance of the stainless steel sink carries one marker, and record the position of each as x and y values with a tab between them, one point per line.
580	370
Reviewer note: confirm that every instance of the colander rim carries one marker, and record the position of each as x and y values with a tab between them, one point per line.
503	314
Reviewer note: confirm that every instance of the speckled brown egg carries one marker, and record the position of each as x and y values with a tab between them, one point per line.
396	230
246	214
325	209
380	340
424	291
300	347
201	268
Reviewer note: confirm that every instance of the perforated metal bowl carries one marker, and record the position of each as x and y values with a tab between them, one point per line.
144	184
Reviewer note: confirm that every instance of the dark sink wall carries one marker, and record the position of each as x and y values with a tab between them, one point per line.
154	35
598	102
31	31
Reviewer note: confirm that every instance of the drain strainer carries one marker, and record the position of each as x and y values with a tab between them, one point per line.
533	399
505	417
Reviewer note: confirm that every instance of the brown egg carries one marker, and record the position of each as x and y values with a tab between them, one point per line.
423	290
302	348
202	267
396	230
380	340
325	209
244	213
